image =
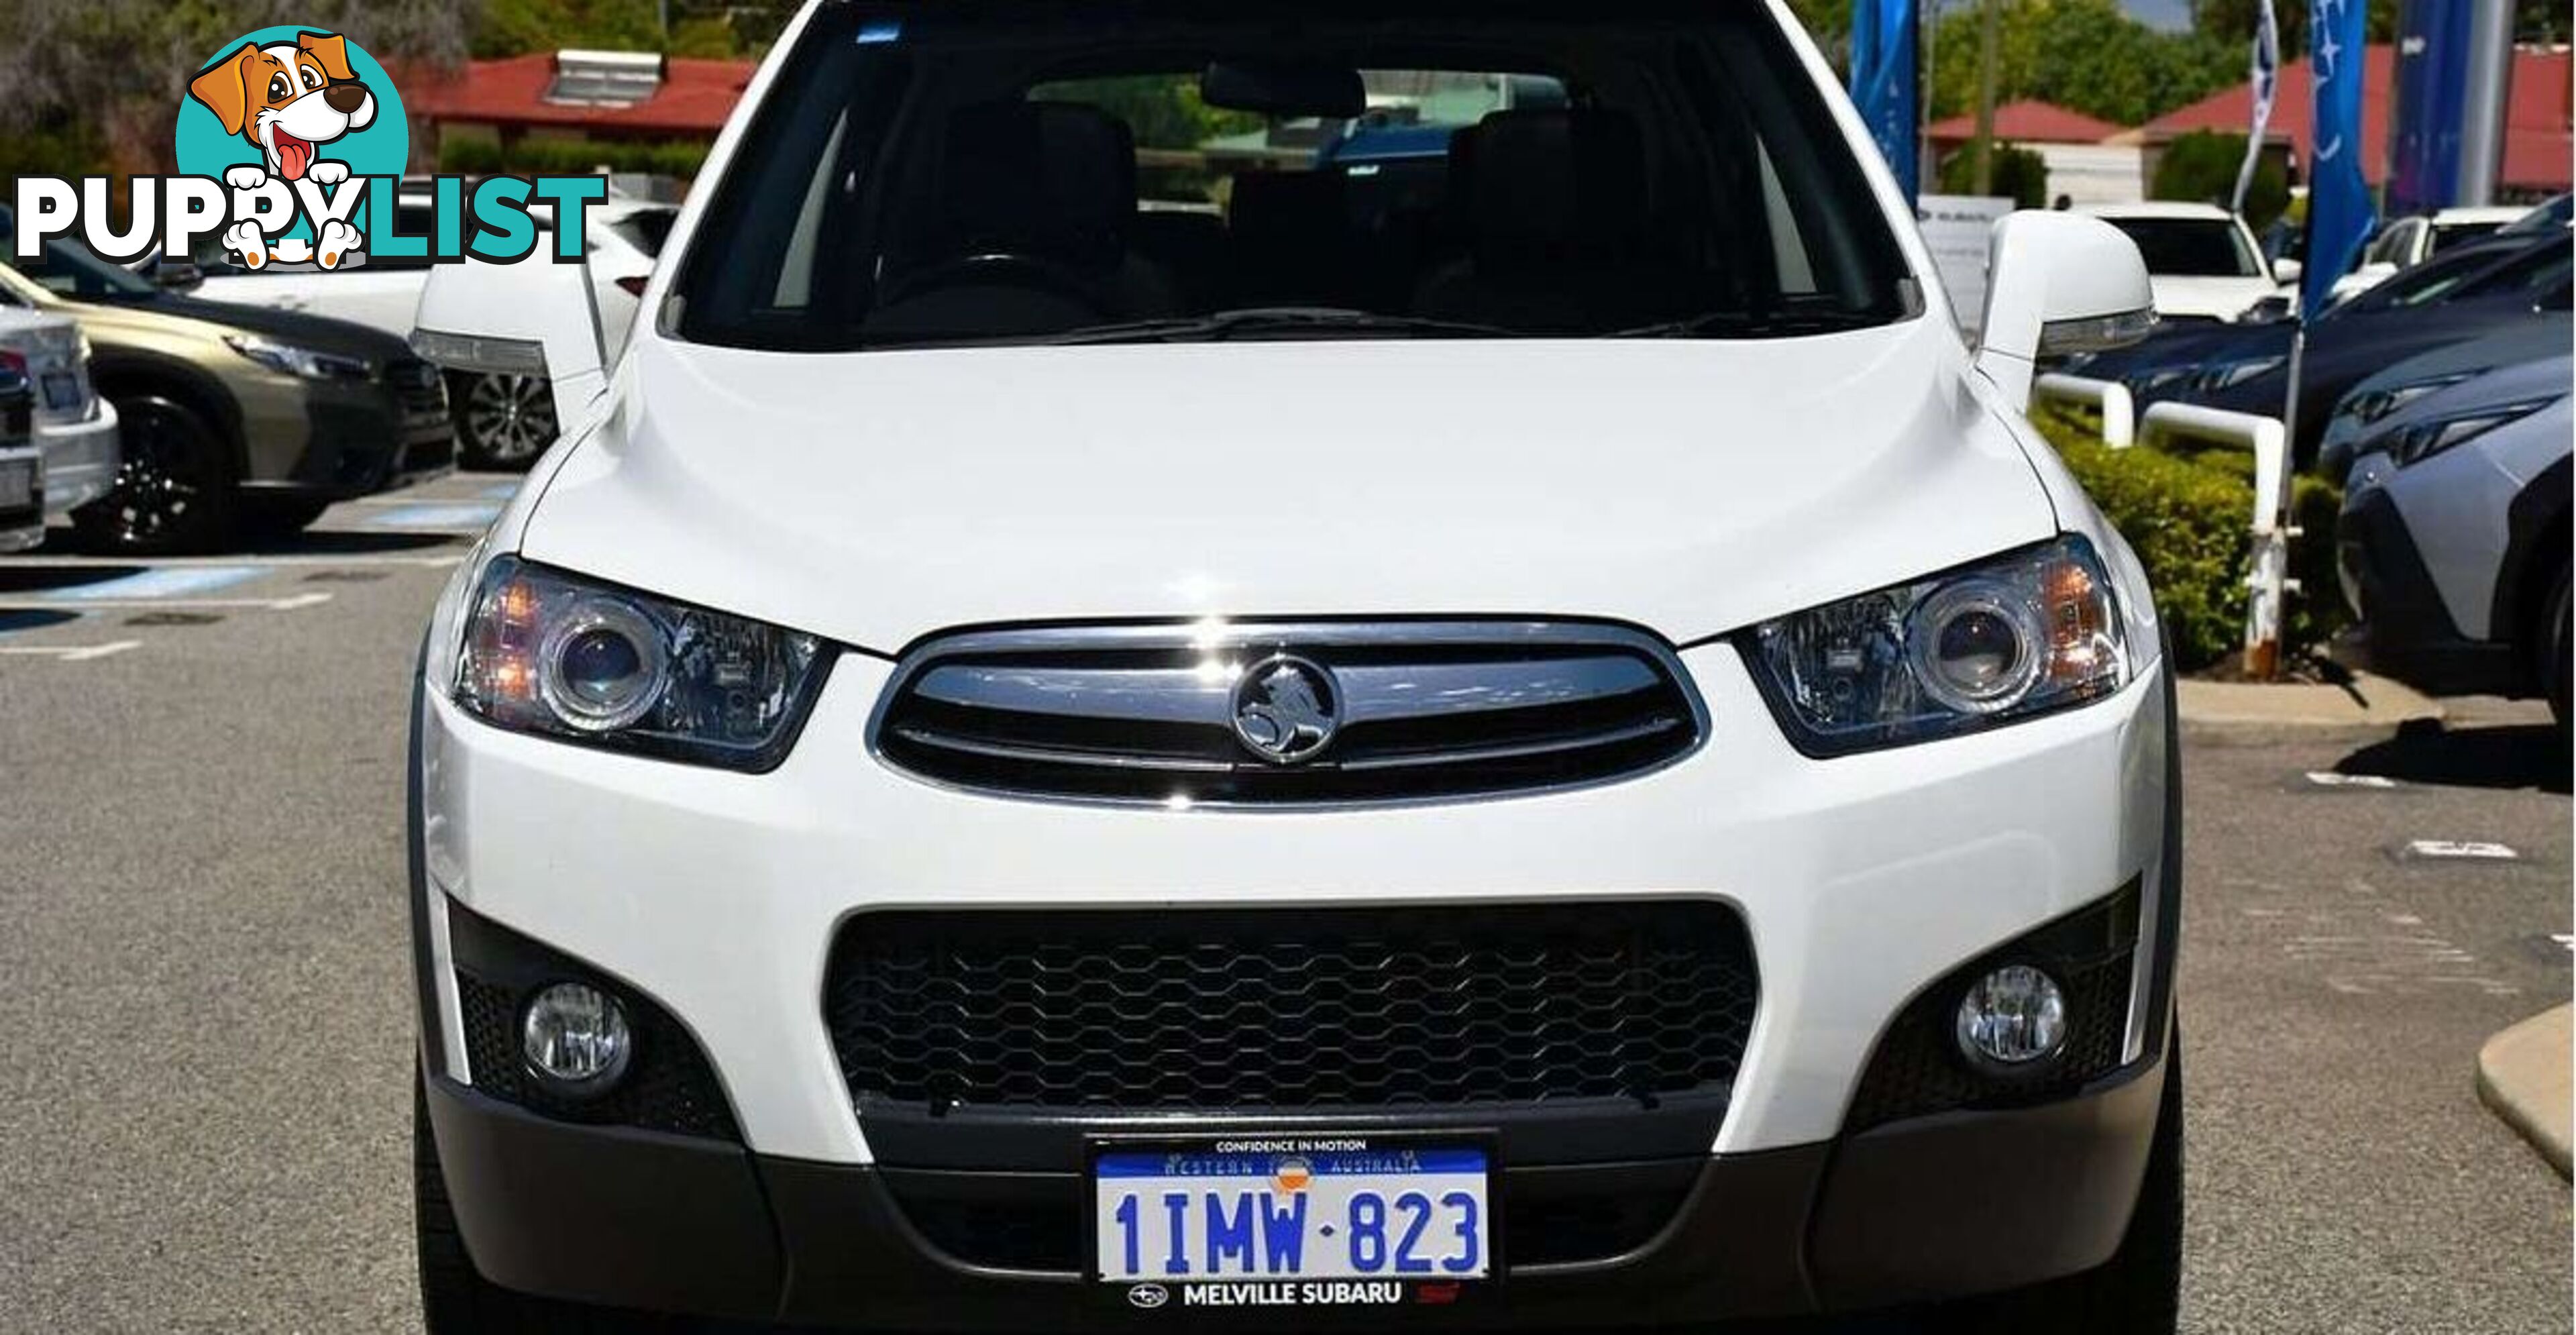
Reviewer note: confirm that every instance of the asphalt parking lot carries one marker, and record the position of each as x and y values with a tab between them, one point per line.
204	1102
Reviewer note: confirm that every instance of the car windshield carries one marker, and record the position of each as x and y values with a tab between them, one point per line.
2192	247
2467	275
2448	235
1006	171
2554	213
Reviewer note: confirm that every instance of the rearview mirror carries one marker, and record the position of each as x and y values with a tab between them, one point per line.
2059	283
2286	271
533	318
1284	89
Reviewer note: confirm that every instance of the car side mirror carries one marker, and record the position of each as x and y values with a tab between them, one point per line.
177	275
532	318
2060	283
2286	271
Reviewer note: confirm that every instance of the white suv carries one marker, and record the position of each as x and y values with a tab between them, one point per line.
1515	735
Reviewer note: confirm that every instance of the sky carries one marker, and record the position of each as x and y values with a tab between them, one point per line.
2161	13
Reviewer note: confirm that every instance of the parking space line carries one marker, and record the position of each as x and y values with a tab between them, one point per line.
158	583
436	515
71	653
278	559
287	604
497	492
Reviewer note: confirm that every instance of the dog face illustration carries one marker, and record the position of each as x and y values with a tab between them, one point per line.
288	98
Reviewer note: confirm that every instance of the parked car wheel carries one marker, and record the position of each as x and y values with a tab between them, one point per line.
2139	1290
2559	643
503	422
455	1299
174	489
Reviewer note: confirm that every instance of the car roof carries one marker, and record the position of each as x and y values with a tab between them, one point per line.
2480	213
2157	208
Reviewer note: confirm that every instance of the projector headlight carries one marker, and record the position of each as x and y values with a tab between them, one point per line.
2022	634
550	653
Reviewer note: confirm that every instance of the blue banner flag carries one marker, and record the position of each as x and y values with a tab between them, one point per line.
2339	209
1883	79
2266	73
2434	39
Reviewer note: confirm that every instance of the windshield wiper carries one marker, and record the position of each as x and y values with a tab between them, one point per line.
1750	324
1276	320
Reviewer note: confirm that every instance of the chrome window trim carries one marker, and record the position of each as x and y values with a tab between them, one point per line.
1259	637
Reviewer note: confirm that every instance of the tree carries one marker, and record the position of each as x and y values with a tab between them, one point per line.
1829	22
698	27
2200	167
2087	55
2234	20
112	74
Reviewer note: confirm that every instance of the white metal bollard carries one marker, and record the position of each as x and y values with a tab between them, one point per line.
2270	577
2108	397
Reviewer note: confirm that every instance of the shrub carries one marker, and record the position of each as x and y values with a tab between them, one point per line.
2200	167
2188	516
562	157
2021	174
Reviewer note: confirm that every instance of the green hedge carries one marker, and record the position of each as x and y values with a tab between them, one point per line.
2188	516
561	157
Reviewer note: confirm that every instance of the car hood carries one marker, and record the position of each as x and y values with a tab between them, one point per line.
2215	298
1688	486
319	332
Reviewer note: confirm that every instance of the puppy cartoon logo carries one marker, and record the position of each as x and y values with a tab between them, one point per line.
1292	1175
293	149
287	99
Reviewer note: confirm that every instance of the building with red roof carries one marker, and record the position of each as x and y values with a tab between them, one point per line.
2538	140
595	95
2028	121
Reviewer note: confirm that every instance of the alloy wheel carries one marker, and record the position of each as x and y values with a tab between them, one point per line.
510	418
167	482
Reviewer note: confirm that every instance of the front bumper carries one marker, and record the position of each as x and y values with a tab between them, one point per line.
1862	880
80	459
333	440
1964	1203
2403	628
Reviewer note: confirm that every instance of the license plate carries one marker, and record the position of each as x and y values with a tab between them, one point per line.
1235	1221
62	390
17	485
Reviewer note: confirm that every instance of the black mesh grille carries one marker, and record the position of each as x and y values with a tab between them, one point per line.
418	388
1918	1070
1260	1009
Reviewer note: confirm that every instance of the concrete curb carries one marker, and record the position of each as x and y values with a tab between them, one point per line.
2524	1075
2366	702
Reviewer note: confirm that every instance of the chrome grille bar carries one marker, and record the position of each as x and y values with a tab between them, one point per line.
1411	710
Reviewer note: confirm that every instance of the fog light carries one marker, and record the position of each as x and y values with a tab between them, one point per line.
575	1038
2012	1017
